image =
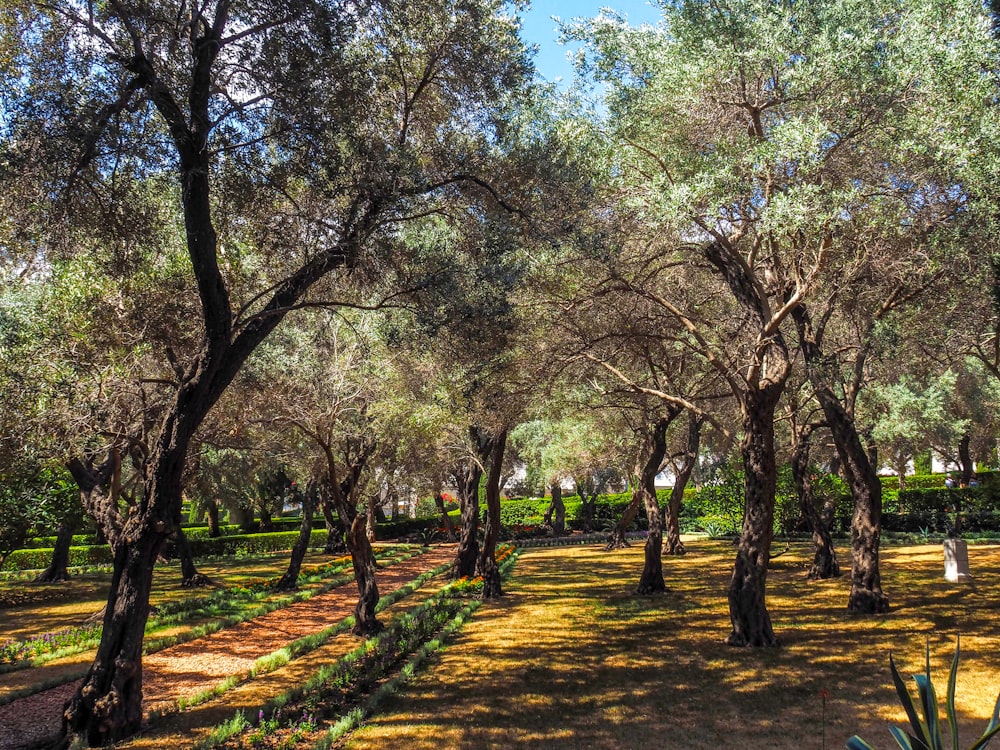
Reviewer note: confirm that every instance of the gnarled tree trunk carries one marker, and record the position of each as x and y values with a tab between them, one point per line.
674	546
212	516
335	541
825	557
747	588
617	539
190	577
558	508
965	460
449	527
467	478
58	569
289	580
345	496
486	563
588	504
648	465
860	473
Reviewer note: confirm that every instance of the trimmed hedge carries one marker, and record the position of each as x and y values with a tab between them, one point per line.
38	559
231	544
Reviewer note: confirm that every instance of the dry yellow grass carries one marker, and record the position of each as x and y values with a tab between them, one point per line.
571	659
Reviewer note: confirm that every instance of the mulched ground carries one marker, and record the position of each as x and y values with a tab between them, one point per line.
191	667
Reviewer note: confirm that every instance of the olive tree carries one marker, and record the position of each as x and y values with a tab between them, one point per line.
302	133
758	139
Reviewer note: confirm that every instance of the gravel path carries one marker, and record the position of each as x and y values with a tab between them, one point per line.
188	668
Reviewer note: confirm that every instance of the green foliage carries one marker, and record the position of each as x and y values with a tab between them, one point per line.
926	733
36	559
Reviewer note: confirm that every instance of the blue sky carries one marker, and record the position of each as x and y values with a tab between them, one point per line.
539	28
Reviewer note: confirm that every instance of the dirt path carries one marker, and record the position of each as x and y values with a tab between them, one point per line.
186	669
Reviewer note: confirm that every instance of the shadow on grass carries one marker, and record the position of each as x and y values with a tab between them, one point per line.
571	659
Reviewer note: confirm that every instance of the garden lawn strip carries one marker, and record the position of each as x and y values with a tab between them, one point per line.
160	634
214	606
187	728
344	691
21	683
188	668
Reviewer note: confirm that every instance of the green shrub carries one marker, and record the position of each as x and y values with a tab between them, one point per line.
39	558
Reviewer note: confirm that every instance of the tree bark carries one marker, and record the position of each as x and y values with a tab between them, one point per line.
449	527
58	569
824	564
336	544
859	471
363	560
486	563
345	496
674	546
467	478
557	507
370	520
588	503
965	460
266	522
648	465
747	589
289	581
618	540
212	515
190	577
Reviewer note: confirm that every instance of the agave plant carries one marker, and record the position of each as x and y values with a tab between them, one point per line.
925	733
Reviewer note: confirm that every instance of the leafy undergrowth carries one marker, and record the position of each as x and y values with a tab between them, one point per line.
342	694
572	658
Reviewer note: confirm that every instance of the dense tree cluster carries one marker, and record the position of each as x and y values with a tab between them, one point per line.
342	254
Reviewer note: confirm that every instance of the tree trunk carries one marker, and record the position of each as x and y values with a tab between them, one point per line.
486	563
449	527
747	589
363	559
618	540
965	460
559	507
674	545
866	596
467	478
370	520
289	581
588	504
212	515
190	577
825	558
860	473
266	522
58	566
647	467
107	707
336	544
345	495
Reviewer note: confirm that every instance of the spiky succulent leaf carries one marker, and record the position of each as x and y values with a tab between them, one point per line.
992	729
950	704
920	737
928	700
902	738
856	743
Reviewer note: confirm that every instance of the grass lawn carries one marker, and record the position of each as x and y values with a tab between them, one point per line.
569	658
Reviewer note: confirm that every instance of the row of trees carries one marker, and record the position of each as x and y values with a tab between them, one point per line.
359	236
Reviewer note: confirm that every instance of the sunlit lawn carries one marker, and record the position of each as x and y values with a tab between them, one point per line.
571	659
